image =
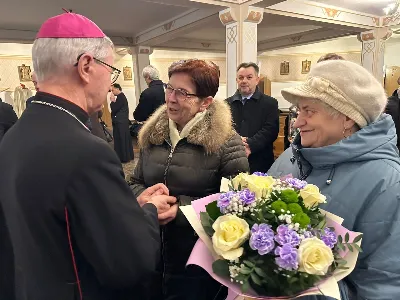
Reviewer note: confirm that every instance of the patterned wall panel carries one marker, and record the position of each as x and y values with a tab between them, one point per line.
270	65
9	77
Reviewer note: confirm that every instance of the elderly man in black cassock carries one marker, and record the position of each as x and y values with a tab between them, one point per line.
70	227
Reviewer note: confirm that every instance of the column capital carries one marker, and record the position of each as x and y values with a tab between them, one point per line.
227	16
249	14
254	14
380	33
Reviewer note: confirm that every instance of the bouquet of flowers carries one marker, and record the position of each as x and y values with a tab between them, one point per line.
269	237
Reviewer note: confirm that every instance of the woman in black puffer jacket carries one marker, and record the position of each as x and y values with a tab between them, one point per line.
188	144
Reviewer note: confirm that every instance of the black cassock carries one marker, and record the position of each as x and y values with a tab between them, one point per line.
53	170
120	122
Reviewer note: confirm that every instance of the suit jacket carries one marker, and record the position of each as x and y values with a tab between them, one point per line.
8	117
61	177
150	99
258	120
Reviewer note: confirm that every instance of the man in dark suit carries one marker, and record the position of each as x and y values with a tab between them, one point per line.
70	226
256	118
8	117
152	97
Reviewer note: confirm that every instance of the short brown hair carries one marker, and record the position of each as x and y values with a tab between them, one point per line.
205	75
330	56
248	65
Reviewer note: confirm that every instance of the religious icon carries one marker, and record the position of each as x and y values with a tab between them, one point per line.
127	73
24	73
285	68
305	66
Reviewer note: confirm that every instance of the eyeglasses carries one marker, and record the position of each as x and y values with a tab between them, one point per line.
181	95
114	71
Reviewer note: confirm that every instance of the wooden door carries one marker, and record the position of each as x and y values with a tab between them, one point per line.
392	74
106	114
265	85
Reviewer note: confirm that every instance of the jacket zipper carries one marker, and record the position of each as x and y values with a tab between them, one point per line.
168	162
163	229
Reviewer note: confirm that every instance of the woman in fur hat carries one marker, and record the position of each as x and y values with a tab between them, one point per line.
188	144
347	148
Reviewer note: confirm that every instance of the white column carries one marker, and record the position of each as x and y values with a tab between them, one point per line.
241	39
373	50
141	59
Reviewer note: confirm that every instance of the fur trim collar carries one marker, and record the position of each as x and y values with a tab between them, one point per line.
212	132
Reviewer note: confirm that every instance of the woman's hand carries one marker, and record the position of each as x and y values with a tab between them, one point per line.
169	215
162	203
155	190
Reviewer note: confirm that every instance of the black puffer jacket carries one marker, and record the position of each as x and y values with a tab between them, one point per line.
193	169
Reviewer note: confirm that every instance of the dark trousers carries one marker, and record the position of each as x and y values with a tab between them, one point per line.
176	281
123	142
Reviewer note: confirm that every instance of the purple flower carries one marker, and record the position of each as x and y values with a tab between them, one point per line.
286	236
224	200
260	174
296	183
329	238
247	196
287	257
262	238
308	234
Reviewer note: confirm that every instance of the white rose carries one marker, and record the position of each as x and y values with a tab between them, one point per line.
314	256
312	196
230	233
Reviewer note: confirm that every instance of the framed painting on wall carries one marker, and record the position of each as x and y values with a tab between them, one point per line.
305	66
127	73
285	68
24	73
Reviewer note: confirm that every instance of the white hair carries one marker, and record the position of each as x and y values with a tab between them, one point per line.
53	56
151	72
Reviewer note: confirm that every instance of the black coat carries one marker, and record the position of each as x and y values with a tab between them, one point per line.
393	109
120	122
194	169
258	120
120	109
8	117
55	167
150	99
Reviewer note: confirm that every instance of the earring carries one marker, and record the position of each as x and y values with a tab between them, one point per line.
344	132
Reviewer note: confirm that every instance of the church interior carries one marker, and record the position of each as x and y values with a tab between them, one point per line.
285	38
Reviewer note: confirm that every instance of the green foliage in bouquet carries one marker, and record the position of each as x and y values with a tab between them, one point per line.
272	236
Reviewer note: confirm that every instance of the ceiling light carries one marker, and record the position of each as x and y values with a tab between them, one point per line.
391	8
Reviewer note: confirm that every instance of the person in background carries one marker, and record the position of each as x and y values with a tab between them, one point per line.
95	126
70	227
120	122
347	148
152	97
330	56
189	144
8	118
289	130
36	85
393	109
255	117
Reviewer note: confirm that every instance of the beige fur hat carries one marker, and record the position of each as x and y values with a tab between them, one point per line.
344	85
